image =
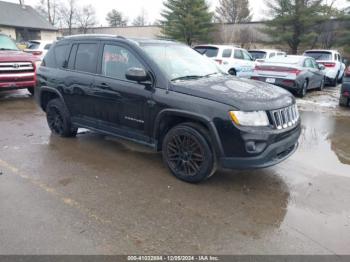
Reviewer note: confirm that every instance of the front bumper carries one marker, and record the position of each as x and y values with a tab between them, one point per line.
274	154
17	81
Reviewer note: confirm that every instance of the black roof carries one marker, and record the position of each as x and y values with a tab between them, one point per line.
116	37
15	15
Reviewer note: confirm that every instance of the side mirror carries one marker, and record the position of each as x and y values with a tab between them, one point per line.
321	67
137	74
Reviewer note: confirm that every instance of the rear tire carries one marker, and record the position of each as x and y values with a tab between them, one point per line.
188	153
31	90
334	82
344	101
232	72
58	119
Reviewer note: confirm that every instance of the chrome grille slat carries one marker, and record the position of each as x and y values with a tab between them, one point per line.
16	67
285	117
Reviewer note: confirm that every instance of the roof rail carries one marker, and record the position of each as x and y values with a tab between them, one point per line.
93	35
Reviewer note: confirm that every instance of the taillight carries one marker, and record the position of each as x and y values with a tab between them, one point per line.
218	61
255	78
328	64
295	71
37	53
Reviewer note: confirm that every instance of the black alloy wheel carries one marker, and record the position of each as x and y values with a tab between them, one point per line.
187	153
58	119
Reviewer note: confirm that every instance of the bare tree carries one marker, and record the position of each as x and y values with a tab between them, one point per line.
233	11
86	18
141	19
68	15
50	10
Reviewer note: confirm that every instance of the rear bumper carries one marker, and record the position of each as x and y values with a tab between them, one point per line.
274	154
289	84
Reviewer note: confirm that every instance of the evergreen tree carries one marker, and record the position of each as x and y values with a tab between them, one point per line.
233	11
294	21
116	19
188	21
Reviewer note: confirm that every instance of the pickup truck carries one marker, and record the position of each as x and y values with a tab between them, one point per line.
17	68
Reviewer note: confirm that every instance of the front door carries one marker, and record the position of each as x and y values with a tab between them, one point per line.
124	103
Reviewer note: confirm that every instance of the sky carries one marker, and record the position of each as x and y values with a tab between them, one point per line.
131	8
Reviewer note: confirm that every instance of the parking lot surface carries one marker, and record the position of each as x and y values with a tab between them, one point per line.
100	195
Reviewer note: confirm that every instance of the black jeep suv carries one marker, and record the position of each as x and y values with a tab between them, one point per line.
167	96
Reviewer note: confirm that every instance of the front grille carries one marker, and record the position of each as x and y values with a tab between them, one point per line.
16	67
285	117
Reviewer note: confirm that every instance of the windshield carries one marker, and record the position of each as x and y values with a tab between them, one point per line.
320	55
258	54
180	62
207	51
6	43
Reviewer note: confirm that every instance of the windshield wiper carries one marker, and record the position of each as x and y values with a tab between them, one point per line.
190	77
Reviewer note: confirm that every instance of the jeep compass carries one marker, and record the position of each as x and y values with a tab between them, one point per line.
165	95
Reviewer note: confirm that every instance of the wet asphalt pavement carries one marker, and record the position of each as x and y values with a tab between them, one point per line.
100	195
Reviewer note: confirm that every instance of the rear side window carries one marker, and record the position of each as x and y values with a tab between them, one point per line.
86	58
207	51
47	47
238	54
60	55
72	55
227	53
272	55
49	60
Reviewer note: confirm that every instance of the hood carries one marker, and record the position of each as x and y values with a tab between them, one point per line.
16	56
242	94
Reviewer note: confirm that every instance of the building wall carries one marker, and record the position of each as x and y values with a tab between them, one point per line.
49	35
8	31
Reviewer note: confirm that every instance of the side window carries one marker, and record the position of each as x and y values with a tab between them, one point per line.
49	59
117	60
280	54
308	63
60	55
272	55
72	55
314	64
86	58
47	47
335	57
238	54
227	53
246	56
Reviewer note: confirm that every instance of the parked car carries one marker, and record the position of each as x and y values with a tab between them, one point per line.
295	73
233	60
260	55
165	95
333	62
345	90
17	68
38	48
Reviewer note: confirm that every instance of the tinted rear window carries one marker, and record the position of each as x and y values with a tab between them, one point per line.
207	51
258	54
60	55
320	55
86	58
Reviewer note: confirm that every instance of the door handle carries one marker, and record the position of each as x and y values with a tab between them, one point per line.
104	86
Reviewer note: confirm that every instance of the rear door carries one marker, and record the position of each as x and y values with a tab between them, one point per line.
81	69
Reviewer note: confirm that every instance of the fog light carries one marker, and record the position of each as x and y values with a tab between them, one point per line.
250	146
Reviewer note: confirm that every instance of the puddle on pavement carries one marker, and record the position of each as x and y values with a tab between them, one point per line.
325	143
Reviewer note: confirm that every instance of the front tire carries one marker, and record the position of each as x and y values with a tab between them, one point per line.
232	72
303	90
187	153
31	90
58	119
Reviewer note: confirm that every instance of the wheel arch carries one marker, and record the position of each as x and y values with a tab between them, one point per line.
170	118
47	94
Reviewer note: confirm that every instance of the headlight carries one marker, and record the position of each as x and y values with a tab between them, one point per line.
37	64
257	118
